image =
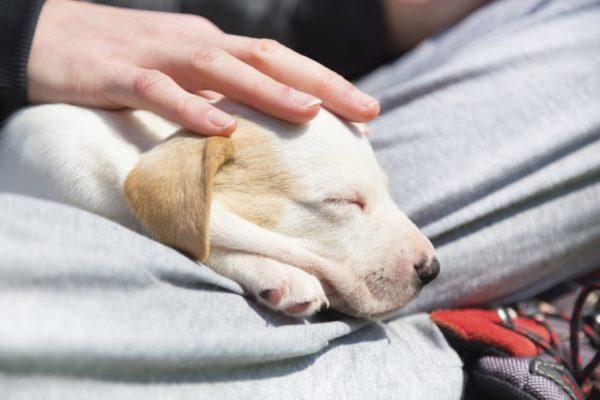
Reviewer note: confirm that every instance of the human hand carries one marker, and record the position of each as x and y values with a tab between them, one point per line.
109	57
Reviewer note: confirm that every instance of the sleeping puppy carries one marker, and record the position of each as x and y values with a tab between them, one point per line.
298	215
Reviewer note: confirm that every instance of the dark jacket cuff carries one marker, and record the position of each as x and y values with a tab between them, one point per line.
18	19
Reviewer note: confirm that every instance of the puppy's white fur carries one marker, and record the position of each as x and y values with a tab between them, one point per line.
324	246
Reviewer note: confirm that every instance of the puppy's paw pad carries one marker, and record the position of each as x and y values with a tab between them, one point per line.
272	296
305	301
306	308
298	308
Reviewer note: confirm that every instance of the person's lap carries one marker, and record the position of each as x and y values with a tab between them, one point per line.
490	134
89	309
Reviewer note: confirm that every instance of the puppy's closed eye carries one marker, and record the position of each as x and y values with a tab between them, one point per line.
344	202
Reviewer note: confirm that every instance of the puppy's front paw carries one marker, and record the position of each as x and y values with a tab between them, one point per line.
278	286
289	289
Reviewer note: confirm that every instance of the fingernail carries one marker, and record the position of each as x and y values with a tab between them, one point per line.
305	100
220	119
365	101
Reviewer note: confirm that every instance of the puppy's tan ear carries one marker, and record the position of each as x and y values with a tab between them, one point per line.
170	189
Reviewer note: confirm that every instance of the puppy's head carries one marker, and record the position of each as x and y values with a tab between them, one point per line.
312	196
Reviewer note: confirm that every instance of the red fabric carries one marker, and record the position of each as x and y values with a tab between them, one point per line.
484	327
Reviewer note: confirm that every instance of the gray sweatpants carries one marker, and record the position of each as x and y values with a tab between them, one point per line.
490	134
491	137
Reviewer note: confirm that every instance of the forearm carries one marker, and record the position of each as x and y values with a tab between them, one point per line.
18	20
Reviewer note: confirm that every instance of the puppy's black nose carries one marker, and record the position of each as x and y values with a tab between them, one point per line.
427	270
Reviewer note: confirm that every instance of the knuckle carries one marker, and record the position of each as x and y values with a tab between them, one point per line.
206	56
262	49
146	80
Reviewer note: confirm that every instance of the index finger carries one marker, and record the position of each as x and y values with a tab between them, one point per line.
300	72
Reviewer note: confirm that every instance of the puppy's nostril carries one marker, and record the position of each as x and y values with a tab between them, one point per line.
428	270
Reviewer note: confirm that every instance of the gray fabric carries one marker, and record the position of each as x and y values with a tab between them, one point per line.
490	135
90	310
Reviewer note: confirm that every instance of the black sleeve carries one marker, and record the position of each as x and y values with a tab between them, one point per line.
346	35
18	19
